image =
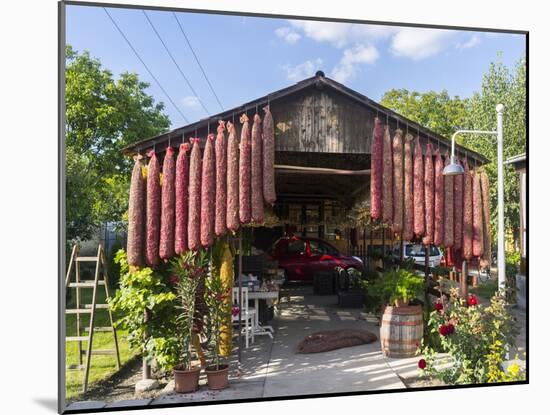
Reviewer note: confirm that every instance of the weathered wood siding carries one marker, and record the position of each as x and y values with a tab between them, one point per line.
322	122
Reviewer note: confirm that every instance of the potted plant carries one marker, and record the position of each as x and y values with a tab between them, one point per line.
218	300
189	268
402	325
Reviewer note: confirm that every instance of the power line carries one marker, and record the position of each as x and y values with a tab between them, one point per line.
175	63
197	59
145	65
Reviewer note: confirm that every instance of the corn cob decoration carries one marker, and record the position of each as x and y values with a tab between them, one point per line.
439	200
486	195
429	195
153	210
418	190
376	171
458	210
397	225
168	207
226	276
268	136
194	221
232	179
408	225
468	213
387	177
257	194
220	225
477	234
244	172
448	237
182	199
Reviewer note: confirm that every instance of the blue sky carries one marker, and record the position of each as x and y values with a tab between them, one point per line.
248	57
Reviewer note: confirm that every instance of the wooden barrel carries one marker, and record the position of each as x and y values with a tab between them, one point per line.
401	330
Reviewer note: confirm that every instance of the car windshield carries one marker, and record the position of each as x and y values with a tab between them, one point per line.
417	250
296	247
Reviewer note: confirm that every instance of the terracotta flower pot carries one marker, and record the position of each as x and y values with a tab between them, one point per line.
186	380
217	379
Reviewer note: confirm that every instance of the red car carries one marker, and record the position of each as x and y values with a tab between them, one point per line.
301	258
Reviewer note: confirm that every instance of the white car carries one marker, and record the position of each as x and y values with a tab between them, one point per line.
416	251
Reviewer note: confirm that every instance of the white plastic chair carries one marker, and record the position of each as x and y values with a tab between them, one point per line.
248	315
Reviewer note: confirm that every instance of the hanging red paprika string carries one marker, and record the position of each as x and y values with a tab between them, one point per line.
418	190
387	177
182	199
194	220
458	209
168	208
232	179
439	200
208	193
244	172
486	195
408	225
448	238
136	216
477	234
468	213
268	136
220	225
153	211
257	194
429	188
397	148
376	171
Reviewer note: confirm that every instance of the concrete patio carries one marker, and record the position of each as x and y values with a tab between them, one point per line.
271	368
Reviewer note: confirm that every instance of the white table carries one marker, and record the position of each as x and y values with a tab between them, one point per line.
257	296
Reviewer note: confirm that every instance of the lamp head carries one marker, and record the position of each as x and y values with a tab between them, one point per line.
453	168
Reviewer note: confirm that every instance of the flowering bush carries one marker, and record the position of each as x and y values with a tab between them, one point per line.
475	339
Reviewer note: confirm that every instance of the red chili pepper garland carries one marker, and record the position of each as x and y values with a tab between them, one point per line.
387	177
257	194
153	211
136	216
439	200
486	195
168	205
458	210
182	199
429	187
418	191
244	173
397	145
232	179
468	213
220	226
448	238
194	221
376	171
268	136
477	234
208	193
408	225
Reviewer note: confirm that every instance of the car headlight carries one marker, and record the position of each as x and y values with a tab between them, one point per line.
358	259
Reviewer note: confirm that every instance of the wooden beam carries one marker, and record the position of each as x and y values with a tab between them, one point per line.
287	169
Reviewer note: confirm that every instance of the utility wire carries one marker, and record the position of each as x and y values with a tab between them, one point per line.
145	65
197	59
175	63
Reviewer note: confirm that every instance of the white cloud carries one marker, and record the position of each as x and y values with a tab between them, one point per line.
348	66
473	41
190	101
289	35
342	34
417	44
302	70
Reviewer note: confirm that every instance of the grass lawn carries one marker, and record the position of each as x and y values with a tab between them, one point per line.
485	290
102	366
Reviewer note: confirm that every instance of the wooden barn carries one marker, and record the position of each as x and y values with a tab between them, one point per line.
323	133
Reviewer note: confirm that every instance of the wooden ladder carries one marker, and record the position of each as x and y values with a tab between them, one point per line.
100	278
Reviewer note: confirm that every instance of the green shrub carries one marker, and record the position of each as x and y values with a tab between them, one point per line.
402	285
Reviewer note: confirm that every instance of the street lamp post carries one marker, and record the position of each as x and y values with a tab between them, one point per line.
453	169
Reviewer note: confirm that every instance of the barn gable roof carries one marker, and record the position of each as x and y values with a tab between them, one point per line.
318	81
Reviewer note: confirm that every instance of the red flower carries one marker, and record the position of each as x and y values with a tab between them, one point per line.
235	311
443	330
450	328
421	363
220	297
438	306
472	300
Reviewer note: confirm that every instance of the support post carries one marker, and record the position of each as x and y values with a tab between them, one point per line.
501	260
464	280
146	367
240	271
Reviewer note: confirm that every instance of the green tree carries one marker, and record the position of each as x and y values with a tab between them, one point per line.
500	85
435	110
103	115
444	115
